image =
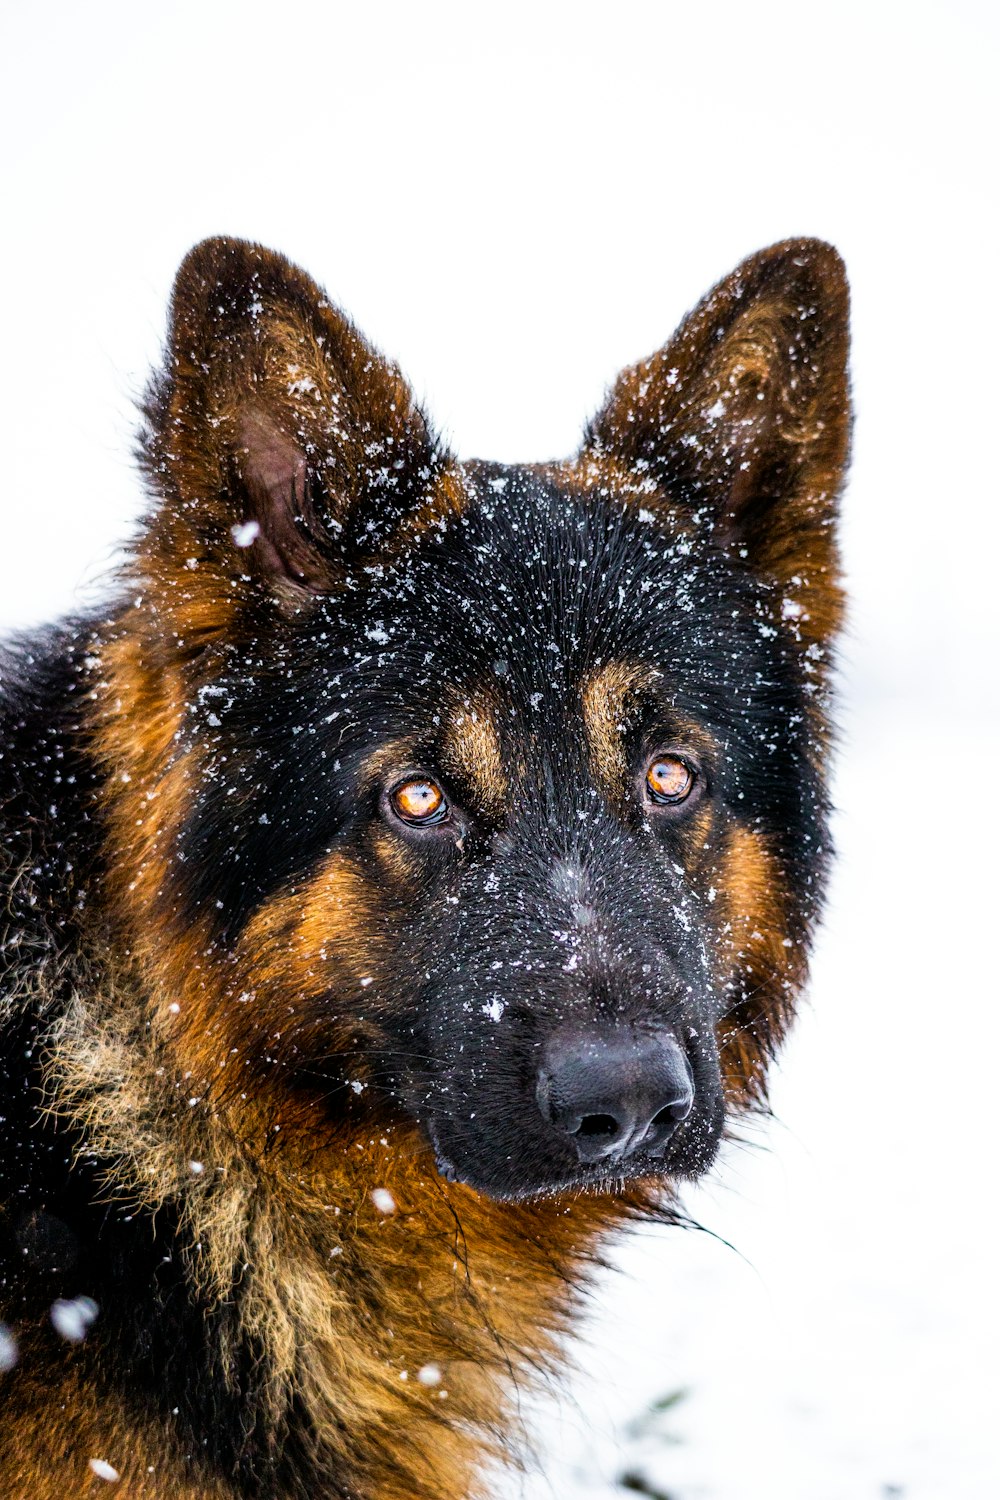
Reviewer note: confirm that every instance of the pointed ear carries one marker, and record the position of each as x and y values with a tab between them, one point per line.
743	419
282	445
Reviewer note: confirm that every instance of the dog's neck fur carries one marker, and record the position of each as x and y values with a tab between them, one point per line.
353	1315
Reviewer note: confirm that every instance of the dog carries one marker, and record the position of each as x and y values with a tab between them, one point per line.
408	877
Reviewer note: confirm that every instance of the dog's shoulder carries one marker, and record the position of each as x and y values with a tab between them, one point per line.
48	835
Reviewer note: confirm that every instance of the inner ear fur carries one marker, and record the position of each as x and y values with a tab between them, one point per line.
280	443
743	419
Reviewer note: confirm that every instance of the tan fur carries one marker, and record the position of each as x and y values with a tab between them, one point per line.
764	963
56	1420
473	752
343	1298
476	1287
609	699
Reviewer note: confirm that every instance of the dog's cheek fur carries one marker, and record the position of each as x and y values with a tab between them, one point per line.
762	948
312	969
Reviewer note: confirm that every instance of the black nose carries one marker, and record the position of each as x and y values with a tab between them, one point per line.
615	1093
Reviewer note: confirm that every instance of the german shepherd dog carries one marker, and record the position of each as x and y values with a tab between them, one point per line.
406	878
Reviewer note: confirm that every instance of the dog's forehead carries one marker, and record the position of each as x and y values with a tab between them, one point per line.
542	625
537	582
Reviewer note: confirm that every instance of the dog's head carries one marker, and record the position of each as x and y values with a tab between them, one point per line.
490	797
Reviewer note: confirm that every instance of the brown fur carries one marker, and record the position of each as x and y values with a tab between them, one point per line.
62	1423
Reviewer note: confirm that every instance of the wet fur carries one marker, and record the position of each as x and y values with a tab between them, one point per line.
191	1130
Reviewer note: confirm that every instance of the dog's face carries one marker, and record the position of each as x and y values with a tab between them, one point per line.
495	795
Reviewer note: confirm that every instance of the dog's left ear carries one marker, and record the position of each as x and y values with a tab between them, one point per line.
743	419
281	447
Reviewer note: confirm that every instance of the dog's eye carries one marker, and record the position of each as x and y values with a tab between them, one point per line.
419	801
669	780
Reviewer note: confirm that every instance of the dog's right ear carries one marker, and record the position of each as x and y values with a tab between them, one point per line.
743	419
281	446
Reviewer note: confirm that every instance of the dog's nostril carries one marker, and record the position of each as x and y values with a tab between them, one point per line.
605	1126
673	1113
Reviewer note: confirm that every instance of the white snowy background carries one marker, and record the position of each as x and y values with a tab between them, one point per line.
515	201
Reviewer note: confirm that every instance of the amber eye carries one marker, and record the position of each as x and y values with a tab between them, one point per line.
419	801
669	780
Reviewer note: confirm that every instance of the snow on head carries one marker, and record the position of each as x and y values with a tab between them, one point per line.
383	1200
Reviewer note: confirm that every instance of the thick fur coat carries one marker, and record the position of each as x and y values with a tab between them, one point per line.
384	784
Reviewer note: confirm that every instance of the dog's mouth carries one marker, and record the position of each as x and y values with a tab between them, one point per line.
547	1167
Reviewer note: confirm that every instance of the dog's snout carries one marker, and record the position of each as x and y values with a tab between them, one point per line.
615	1093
